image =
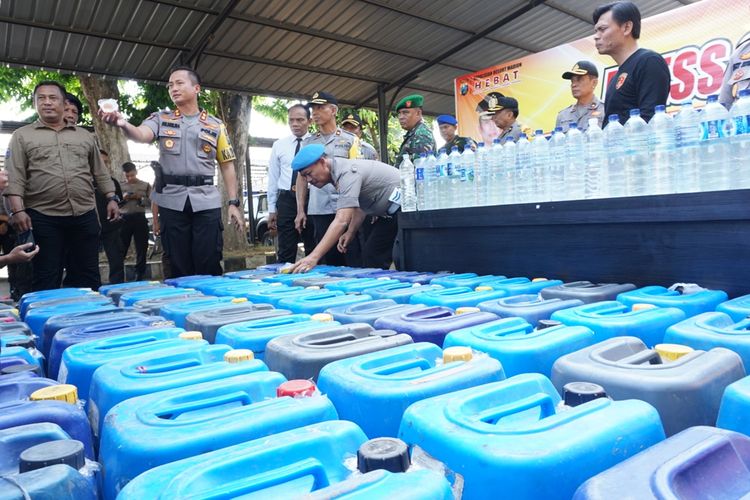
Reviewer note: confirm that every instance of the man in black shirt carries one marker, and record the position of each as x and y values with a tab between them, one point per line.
642	80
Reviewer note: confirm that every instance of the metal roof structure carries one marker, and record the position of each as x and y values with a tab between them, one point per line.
356	49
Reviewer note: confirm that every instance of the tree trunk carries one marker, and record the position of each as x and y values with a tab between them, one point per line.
111	139
234	111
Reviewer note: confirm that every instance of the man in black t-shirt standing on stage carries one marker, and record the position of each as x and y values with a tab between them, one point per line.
642	80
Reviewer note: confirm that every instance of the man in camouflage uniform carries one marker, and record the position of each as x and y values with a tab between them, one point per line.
418	138
737	75
505	116
353	124
338	143
583	80
448	125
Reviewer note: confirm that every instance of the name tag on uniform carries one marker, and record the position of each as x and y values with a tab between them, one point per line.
394	201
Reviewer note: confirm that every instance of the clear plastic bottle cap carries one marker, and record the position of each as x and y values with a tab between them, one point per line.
312	287
63	392
457	353
467	310
296	388
239	300
672	352
643	307
191	335
108	105
536	280
238	355
483	288
322	317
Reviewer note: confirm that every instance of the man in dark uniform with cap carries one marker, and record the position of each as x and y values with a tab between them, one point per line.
737	74
583	80
418	138
448	125
353	124
365	187
505	116
322	202
191	142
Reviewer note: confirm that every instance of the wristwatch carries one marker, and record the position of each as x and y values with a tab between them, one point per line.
234	202
114	198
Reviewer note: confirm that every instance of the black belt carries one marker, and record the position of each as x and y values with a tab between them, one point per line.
189	180
288	191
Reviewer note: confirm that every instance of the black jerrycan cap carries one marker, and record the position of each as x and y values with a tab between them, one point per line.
386	453
10	370
64	451
577	393
26	343
547	323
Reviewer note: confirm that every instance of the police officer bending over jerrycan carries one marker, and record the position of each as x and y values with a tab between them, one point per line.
190	143
364	187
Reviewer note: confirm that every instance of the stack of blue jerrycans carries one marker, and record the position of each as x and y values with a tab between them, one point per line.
152	306
734	412
530	307
737	308
116	293
400	292
273	294
374	389
684	385
457	296
303	355
368	312
699	462
210	320
521	347
586	291
468	280
33	297
255	335
21	385
316	461
19	353
134	376
319	302
40	460
690	298
80	361
178	311
359	285
39	312
612	318
713	329
147	431
517	437
133	296
315	281
432	324
520	286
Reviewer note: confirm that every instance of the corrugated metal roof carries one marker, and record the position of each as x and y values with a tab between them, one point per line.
295	47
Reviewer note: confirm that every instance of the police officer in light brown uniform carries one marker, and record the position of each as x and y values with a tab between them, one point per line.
583	80
191	142
737	74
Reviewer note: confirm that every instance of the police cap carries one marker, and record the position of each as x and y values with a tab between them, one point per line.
307	156
582	68
495	104
323	98
352	118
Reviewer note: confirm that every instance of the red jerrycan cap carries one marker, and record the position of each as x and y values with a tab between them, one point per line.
296	388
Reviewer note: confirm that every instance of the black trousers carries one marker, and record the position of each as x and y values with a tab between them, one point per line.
135	227
113	249
193	241
377	244
58	236
333	257
286	211
19	275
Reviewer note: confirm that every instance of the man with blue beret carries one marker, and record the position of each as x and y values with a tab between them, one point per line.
365	187
448	126
418	138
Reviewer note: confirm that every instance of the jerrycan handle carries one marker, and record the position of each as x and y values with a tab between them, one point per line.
649	356
402	366
704	455
275	477
540	399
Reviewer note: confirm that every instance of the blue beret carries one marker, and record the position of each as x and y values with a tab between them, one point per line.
307	156
449	119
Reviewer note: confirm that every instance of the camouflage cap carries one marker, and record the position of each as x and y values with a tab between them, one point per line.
410	101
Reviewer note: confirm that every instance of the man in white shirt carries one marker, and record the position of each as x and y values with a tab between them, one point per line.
282	201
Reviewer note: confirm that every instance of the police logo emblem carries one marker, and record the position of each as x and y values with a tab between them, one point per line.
621	80
492	102
170	132
169	144
350	117
206	148
315	95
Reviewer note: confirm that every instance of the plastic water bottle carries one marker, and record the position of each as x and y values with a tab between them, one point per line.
523	170
496	173
481	175
636	154
662	149
740	141
509	171
714	155
468	193
430	182
614	139
443	181
595	160
684	178
454	178
419	180
408	193
540	167
575	182
557	163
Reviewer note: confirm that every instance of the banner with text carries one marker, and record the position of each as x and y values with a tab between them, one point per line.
696	41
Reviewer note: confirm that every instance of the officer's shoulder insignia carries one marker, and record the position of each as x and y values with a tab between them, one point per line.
745	56
596	113
203	116
338	132
176	112
170	132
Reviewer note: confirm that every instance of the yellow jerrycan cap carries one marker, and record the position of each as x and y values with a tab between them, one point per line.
63	392
467	310
322	317
238	355
672	352
191	335
457	353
